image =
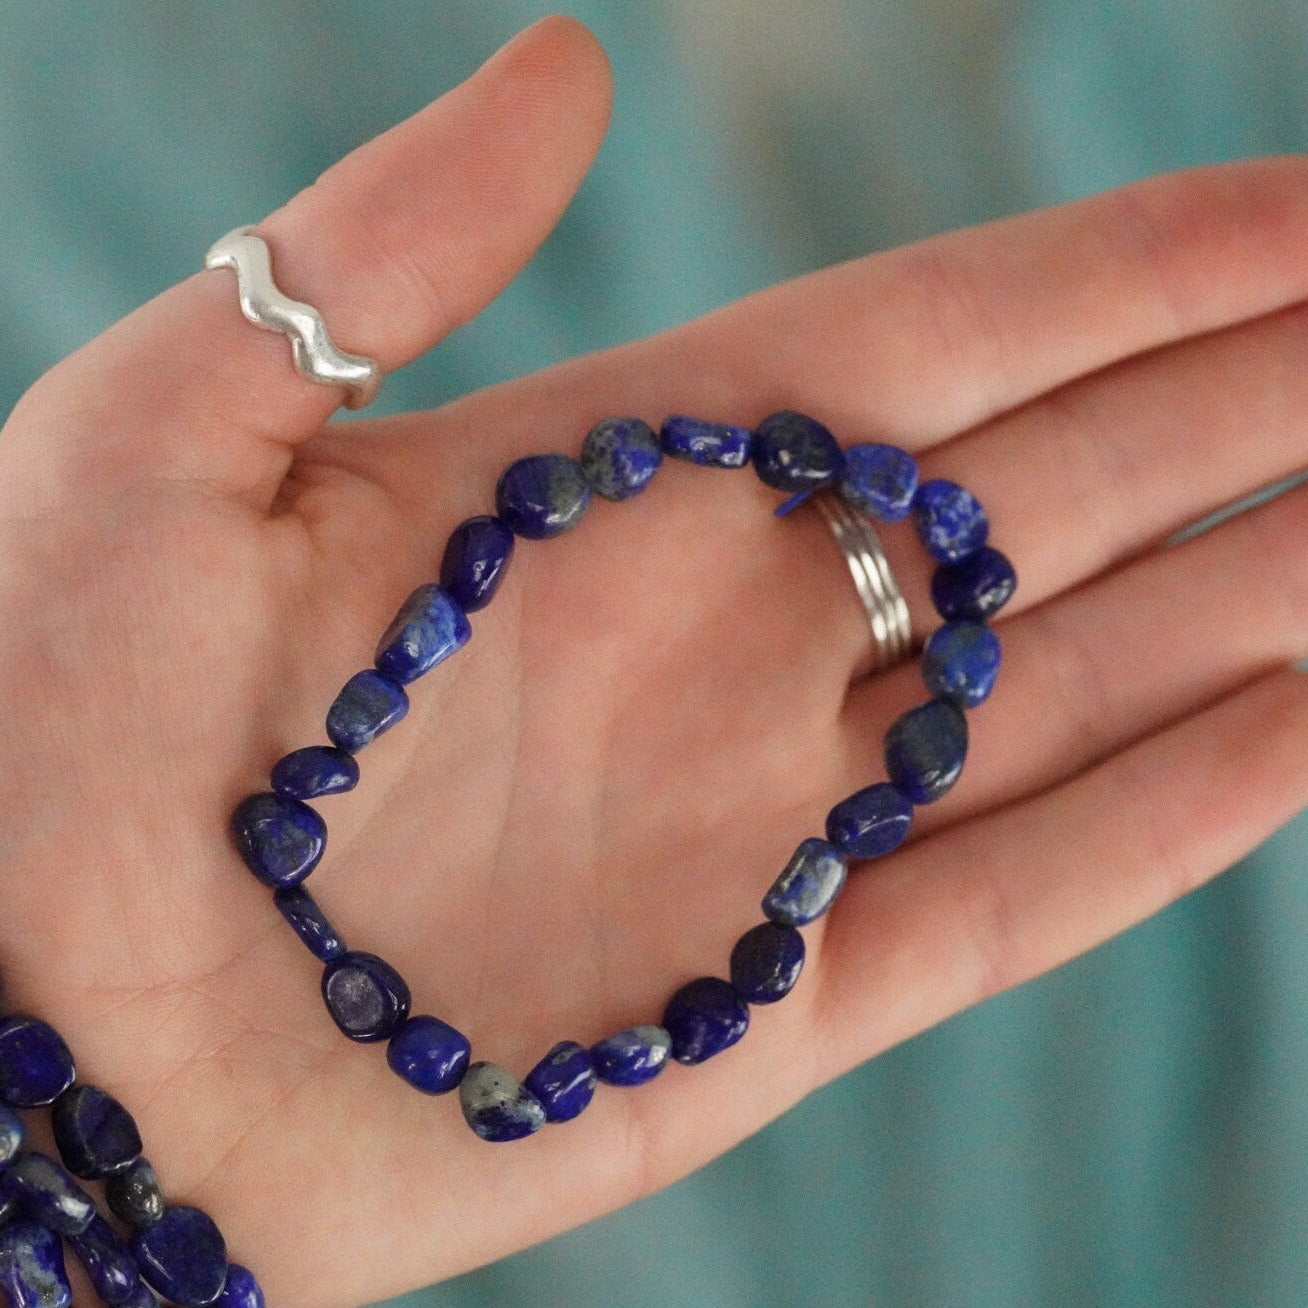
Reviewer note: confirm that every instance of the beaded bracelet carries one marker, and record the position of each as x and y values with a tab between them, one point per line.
281	838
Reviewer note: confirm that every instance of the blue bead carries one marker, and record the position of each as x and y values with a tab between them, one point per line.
766	962
134	1196
563	1081
36	1066
542	495
313	771
960	662
429	1054
141	1297
808	884
633	1056
476	557
310	923
109	1264
183	1256
280	839
48	1194
879	480
241	1290
12	1134
709	444
925	748
497	1105
949	519
366	996
369	703
429	627
96	1135
976	588
703	1018
32	1273
793	452
871	822
619	456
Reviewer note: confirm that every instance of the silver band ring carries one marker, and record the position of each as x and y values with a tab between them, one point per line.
886	610
265	306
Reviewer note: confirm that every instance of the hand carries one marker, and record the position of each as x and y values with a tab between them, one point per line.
585	806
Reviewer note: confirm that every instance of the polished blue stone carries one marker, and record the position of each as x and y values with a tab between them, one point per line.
476	557
366	996
766	962
977	587
310	923
870	822
96	1135
949	519
497	1105
32	1272
879	480
709	444
633	1056
960	662
280	839
703	1018
619	456
808	884
369	703
429	1054
542	495
141	1297
183	1256
8	1207
12	1133
563	1081
793	452
313	771
925	749
134	1196
109	1264
429	627
48	1194
36	1067
241	1290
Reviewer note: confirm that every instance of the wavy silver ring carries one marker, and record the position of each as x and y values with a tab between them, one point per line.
265	306
886	610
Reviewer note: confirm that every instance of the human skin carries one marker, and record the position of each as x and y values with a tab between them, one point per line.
584	807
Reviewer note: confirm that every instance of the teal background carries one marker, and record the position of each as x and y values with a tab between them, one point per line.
1132	1130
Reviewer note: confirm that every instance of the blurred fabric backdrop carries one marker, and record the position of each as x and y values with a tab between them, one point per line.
1132	1130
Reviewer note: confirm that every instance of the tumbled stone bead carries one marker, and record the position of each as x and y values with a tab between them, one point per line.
709	444
183	1256
975	588
48	1194
280	840
141	1297
313	771
429	1054
497	1105
766	962
476	558
925	748
429	627
241	1290
808	884
96	1135
703	1018
12	1133
633	1056
32	1272
542	495
563	1081
366	996
8	1207
109	1264
949	519
793	452
309	922
368	704
619	456
870	822
134	1195
36	1066
879	480
960	662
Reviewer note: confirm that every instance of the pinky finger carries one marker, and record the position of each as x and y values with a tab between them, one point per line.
996	900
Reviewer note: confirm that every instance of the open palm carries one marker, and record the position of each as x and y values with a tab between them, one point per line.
584	807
